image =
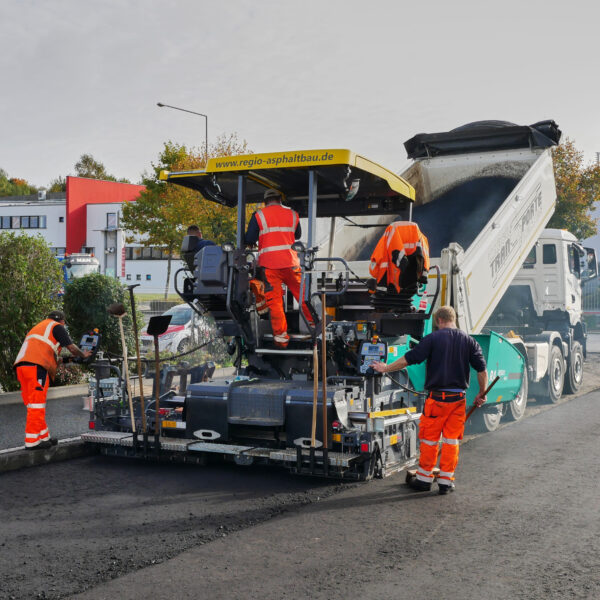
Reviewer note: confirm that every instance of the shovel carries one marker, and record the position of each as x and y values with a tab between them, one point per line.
118	310
157	326
487	391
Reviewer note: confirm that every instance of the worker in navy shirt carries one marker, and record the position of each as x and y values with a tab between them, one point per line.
449	353
190	253
194	230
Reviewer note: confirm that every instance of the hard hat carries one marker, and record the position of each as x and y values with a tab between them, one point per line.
57	315
271	193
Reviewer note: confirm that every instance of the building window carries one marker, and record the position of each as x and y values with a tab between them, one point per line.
138	277
15	222
34	222
42	221
128	277
5	222
25	222
88	249
148	277
58	251
61	219
111	221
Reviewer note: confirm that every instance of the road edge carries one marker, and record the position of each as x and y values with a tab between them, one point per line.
13	459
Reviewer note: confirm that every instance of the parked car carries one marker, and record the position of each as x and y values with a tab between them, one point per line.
183	333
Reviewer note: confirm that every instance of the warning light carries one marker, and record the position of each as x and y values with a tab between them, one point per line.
364	447
92	425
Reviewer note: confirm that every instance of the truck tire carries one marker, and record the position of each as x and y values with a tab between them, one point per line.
516	408
486	420
574	375
554	381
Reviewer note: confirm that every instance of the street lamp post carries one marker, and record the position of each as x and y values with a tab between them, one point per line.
194	113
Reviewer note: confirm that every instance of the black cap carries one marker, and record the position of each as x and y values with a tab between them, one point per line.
57	315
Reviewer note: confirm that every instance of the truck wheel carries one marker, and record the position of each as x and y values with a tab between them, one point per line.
554	381
574	375
516	408
373	467
485	420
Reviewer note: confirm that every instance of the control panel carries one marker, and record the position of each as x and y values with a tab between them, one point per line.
90	342
370	352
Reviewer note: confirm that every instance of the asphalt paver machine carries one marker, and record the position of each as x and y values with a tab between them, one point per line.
315	407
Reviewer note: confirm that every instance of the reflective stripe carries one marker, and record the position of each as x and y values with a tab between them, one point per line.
401	255
40	405
277	230
450	441
35	336
274	248
423	471
424	478
446	474
284	337
32	444
261	218
430	443
32	436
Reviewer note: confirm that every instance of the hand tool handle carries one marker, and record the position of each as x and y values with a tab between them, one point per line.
313	433
126	372
489	387
137	352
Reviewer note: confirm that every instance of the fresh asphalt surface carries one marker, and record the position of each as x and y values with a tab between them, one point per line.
523	524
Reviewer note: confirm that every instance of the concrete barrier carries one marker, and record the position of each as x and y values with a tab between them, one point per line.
19	458
54	393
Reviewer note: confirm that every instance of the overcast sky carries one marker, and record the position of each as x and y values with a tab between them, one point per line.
84	77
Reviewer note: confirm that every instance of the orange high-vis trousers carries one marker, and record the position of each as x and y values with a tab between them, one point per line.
34	382
445	419
275	279
257	287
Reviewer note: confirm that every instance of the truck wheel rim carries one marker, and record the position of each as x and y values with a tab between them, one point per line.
557	375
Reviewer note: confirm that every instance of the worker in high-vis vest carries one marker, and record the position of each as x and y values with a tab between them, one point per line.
449	353
35	365
275	228
401	257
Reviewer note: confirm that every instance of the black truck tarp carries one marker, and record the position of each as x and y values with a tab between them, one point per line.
483	136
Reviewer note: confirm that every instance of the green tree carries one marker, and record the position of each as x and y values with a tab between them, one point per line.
86	301
30	281
14	186
88	166
58	185
162	213
577	189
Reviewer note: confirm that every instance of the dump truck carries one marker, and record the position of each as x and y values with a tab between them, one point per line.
77	265
482	194
485	192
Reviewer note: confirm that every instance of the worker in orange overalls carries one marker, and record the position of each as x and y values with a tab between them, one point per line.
36	363
275	228
449	353
401	257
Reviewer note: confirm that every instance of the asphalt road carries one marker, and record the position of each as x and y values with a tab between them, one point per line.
523	524
65	417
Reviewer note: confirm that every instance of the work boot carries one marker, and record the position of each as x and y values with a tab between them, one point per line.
418	485
444	489
45	444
